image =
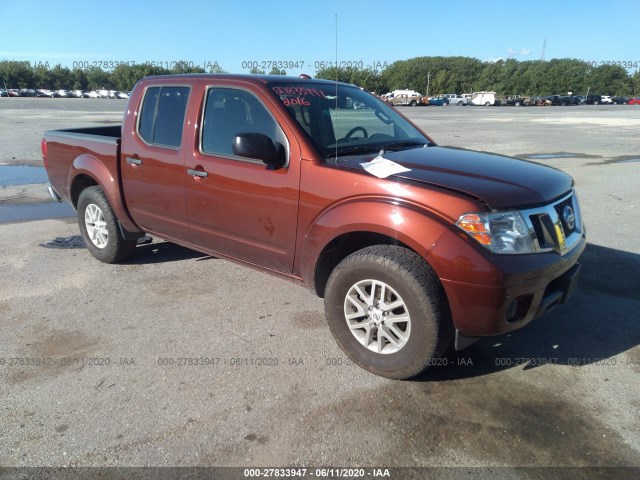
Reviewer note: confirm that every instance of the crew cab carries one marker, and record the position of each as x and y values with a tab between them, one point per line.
414	247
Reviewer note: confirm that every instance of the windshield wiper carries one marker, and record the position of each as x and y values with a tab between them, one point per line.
406	143
353	150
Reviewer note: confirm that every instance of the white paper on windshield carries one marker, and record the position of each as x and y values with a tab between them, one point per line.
383	167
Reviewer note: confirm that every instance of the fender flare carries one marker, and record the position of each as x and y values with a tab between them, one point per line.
92	167
385	216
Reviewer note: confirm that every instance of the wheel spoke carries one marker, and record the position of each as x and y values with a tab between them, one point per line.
354	302
388	307
399	334
386	332
391	319
367	299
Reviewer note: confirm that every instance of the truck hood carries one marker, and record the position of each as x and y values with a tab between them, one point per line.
498	181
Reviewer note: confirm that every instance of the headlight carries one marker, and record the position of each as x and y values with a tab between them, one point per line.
504	233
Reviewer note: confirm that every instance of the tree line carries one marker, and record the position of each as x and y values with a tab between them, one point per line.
434	75
427	75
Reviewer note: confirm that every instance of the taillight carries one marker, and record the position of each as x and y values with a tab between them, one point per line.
43	148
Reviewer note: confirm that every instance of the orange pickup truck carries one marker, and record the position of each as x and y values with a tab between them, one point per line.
414	247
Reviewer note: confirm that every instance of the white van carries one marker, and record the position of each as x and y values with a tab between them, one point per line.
483	98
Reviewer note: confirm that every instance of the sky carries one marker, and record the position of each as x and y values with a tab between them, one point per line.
236	35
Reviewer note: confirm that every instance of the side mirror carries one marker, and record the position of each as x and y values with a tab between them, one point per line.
260	147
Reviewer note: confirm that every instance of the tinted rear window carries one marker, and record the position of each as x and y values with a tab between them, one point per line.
162	115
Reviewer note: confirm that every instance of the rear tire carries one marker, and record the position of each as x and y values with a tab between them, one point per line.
388	311
99	227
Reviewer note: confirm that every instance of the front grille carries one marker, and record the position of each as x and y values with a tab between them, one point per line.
549	227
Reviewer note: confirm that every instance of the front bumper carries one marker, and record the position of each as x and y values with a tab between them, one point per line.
492	295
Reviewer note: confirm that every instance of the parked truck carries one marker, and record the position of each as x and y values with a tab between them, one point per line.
455	99
414	247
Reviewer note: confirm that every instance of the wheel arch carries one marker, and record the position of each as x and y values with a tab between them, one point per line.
341	231
341	247
87	171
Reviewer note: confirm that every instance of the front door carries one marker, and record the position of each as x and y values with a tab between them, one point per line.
236	206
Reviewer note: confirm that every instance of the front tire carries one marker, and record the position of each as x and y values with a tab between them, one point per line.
388	311
99	228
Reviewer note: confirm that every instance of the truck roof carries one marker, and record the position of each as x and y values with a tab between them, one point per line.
264	79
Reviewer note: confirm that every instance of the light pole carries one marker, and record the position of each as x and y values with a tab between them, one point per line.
585	98
428	82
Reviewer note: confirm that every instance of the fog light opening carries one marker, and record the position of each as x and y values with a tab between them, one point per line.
519	308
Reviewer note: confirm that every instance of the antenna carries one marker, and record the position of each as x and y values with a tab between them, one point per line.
336	67
544	47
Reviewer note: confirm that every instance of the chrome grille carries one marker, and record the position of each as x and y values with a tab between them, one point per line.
557	226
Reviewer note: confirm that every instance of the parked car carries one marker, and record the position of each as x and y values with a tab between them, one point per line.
634	101
415	251
3	93
514	101
62	93
77	93
13	92
620	100
44	93
27	92
561	100
93	94
593	99
606	99
125	95
439	101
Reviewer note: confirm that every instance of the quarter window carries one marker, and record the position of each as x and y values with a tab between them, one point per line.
162	115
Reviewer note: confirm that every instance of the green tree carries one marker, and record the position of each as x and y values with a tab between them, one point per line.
610	80
98	79
256	71
185	67
16	74
61	77
80	80
276	71
635	83
370	80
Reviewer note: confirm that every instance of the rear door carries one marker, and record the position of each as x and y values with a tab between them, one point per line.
153	162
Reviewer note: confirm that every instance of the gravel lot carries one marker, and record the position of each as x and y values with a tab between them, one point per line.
266	384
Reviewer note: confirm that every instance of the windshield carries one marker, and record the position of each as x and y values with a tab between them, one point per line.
345	120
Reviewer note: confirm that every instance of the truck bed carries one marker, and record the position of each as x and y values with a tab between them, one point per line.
73	151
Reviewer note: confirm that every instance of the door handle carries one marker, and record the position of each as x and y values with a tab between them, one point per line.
197	173
134	161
